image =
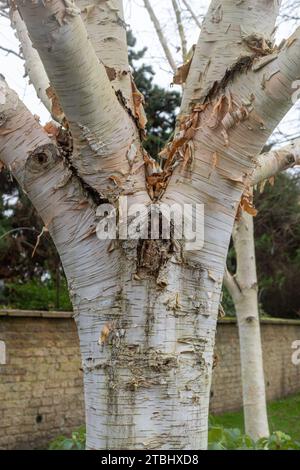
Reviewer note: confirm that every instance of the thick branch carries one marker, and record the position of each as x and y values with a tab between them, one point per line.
241	112
65	206
162	39
180	29
32	156
107	31
33	65
271	163
231	30
215	147
101	128
21	136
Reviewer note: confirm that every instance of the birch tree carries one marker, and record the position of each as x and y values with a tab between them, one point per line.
146	310
243	289
243	285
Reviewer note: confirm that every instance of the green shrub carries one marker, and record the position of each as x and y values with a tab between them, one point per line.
75	442
219	438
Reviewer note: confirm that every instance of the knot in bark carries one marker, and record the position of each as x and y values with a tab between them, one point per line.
42	159
3	119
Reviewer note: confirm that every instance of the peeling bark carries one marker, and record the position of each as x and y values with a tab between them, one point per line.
145	350
225	39
153	370
101	128
106	28
271	163
33	65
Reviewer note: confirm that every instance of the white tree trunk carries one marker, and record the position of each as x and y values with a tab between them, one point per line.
147	383
243	290
246	304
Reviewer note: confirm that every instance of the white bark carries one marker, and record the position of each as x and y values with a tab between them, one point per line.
271	163
228	35
243	290
151	370
180	28
224	147
33	65
147	386
102	130
162	39
245	299
106	28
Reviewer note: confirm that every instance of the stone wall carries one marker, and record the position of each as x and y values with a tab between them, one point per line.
41	392
281	375
41	383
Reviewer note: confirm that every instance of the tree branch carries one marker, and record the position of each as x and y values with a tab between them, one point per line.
230	31
268	164
193	14
107	31
10	51
241	112
271	163
216	143
65	205
33	65
29	153
180	29
102	129
162	39
231	285
243	241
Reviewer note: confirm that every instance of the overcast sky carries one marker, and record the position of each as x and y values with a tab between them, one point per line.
138	20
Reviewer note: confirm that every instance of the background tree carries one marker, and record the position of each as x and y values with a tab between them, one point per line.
243	288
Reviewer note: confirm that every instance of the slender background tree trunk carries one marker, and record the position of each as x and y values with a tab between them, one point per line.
246	304
244	292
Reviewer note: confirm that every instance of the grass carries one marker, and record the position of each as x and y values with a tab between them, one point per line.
284	415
